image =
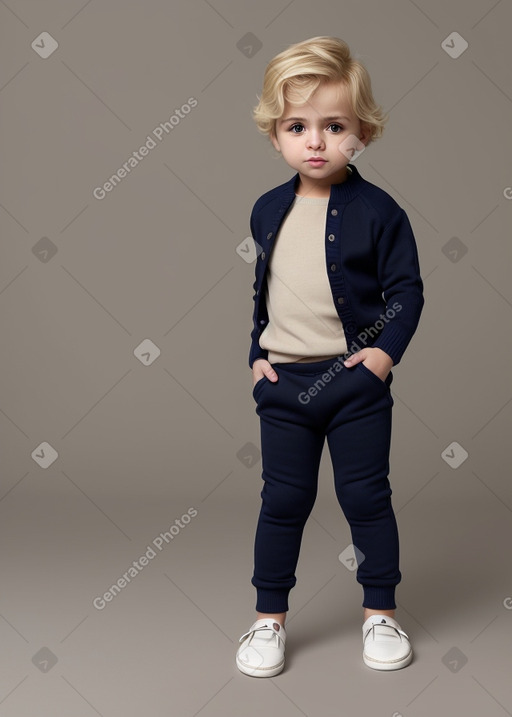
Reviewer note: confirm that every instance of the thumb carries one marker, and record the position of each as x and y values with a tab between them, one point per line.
354	359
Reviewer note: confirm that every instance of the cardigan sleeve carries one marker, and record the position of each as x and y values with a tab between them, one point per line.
255	351
402	286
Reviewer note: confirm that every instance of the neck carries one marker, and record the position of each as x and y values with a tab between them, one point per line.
312	188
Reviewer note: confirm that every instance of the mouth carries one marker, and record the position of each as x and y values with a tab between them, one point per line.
316	160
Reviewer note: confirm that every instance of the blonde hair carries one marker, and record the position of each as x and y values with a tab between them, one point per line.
294	74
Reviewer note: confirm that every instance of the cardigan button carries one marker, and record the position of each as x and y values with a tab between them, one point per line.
269	235
341	299
333	267
331	237
262	255
334	212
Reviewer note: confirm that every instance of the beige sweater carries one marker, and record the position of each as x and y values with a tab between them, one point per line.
303	322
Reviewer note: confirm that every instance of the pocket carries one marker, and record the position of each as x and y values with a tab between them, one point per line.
258	383
362	367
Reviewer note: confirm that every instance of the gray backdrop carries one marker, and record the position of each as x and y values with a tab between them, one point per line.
125	317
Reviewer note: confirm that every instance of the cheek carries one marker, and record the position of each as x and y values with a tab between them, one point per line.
350	145
291	144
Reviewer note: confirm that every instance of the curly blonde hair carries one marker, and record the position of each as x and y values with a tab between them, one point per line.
294	74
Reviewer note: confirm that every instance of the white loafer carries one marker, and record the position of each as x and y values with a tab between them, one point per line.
385	644
261	653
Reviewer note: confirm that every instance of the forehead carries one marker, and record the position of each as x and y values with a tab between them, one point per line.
329	99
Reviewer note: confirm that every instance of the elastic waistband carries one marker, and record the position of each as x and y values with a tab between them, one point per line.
309	368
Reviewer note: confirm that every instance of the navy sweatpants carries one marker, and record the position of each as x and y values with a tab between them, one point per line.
352	408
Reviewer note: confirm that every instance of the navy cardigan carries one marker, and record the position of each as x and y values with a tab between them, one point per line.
371	261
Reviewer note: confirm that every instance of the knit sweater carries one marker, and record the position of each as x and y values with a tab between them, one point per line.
303	322
371	263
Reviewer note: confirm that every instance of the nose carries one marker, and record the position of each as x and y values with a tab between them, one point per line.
314	140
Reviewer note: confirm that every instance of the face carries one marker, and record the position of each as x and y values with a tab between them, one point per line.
324	127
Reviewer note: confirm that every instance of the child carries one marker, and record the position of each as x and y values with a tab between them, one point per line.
337	276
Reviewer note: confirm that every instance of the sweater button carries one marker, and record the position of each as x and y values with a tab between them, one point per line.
333	267
341	299
334	212
269	235
262	255
331	237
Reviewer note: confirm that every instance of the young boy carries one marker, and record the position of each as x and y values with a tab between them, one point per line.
338	297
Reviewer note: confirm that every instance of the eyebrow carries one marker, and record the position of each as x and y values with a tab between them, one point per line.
301	119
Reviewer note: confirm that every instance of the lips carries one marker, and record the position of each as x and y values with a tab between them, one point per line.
317	160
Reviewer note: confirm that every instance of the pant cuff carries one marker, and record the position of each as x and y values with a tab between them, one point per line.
379	598
272	600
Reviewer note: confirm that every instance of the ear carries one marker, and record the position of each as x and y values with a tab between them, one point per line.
274	141
365	134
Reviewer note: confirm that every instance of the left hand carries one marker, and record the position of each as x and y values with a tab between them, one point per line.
375	359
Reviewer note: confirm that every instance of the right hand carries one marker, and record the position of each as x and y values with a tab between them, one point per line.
260	368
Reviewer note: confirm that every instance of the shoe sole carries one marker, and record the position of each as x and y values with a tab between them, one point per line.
258	671
395	665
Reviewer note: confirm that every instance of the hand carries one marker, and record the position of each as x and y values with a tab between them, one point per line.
260	368
375	359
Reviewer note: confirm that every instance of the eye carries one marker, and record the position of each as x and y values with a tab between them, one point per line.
295	125
338	127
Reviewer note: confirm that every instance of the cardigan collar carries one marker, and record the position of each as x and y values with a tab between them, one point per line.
340	193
